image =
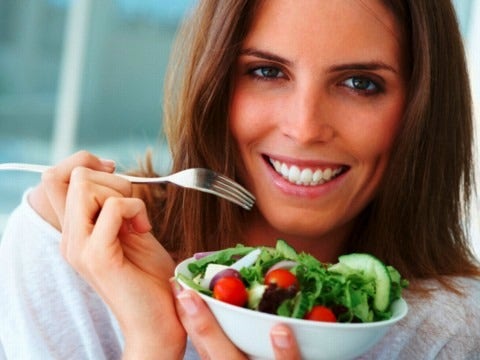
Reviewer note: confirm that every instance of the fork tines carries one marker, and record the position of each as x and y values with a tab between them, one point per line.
225	185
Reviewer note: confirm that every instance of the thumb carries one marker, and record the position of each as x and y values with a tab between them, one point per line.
284	343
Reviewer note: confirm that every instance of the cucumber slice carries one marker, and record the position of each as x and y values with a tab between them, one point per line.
301	306
255	294
370	266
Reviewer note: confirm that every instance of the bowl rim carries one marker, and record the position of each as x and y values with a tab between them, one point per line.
400	308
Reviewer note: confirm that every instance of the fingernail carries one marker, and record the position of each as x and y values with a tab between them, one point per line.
108	164
281	339
187	302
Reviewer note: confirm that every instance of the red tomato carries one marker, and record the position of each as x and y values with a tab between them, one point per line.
231	290
321	313
282	278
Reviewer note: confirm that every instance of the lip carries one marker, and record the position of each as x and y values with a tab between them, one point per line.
311	191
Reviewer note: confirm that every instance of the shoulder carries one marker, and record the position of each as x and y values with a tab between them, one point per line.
28	243
25	221
47	309
448	322
30	256
461	305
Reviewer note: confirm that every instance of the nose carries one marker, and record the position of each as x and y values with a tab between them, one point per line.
308	117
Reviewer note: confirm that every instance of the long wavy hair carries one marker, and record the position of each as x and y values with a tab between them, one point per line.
417	220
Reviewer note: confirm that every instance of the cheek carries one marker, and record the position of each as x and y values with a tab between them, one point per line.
374	137
374	140
246	120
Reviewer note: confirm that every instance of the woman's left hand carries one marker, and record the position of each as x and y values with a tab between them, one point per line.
209	339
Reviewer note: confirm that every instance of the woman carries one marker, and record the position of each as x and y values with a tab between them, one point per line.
347	122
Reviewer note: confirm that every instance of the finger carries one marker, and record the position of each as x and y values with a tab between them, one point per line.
81	176
117	213
95	248
56	179
206	335
284	343
86	195
127	216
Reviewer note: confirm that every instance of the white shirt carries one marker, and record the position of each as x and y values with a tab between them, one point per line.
48	312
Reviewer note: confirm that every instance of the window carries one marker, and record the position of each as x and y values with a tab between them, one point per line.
81	74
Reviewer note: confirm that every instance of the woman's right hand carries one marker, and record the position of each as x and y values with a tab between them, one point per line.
48	198
106	238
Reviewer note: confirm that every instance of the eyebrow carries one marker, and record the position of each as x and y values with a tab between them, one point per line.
367	65
265	55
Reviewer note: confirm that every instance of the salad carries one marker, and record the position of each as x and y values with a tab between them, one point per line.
281	281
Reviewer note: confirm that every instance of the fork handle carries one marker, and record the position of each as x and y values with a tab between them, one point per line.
24	167
41	168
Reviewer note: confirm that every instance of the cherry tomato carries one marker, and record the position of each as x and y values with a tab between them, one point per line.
282	278
231	290
321	313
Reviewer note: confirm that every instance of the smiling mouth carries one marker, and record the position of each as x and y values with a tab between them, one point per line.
306	176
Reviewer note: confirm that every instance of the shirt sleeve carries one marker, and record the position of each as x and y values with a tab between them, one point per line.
48	311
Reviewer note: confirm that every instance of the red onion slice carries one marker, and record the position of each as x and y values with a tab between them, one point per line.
224	273
283	264
200	255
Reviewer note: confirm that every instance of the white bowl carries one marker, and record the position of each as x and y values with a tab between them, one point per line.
249	330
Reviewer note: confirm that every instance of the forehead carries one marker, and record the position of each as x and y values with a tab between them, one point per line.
326	26
377	9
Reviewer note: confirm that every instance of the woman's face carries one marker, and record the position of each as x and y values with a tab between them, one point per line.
318	96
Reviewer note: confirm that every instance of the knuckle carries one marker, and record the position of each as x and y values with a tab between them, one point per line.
203	354
49	176
83	157
78	173
203	328
112	203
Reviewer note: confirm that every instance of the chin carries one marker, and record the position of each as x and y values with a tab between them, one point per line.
300	226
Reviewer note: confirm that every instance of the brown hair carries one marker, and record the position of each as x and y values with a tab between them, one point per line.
415	223
195	120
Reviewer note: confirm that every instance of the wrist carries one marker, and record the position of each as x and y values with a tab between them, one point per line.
153	350
154	346
154	334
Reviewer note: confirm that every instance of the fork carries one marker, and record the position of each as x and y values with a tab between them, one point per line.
196	178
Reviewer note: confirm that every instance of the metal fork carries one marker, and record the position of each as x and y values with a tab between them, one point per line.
197	178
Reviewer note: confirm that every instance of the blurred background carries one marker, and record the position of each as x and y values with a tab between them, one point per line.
88	74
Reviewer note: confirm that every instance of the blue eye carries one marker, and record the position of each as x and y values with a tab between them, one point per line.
267	72
362	84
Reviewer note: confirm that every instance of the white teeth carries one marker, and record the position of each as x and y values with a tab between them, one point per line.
305	176
317	175
327	174
294	174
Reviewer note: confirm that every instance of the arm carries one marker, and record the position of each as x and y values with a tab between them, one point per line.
47	310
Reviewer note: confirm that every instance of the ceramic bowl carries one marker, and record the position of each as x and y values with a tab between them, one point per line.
249	330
